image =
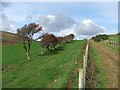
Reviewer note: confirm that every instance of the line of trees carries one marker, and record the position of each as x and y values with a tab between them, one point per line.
98	38
48	41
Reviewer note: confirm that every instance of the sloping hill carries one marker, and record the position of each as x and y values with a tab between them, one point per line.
54	69
8	38
115	37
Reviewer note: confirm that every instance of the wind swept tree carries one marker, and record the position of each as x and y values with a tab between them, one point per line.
69	38
60	40
48	41
26	35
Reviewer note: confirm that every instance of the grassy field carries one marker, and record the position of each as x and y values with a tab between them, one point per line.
113	47
105	57
53	70
114	38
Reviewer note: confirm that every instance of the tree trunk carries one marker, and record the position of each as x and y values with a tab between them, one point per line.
27	54
27	49
42	51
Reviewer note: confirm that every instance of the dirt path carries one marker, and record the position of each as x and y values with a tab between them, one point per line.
110	64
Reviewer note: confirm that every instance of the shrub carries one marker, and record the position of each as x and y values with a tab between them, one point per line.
98	38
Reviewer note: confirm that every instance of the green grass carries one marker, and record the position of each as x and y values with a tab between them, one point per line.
54	69
99	72
113	47
115	38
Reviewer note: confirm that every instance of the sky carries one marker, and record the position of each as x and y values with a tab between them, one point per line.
83	19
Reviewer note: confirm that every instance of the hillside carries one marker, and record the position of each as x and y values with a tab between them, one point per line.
56	69
8	38
114	37
59	68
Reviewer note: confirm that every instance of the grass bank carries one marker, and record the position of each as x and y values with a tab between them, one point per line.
53	70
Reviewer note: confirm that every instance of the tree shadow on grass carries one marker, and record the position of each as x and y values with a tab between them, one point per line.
53	52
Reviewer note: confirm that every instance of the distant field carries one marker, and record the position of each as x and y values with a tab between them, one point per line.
8	38
105	57
56	69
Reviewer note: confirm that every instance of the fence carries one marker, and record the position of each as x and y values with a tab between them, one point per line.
82	71
112	42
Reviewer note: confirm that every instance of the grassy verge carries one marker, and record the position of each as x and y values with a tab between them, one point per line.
115	38
99	72
115	48
53	70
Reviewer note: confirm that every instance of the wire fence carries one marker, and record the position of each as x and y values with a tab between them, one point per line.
111	42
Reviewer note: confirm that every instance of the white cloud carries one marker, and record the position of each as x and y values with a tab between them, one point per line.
12	26
51	18
0	22
66	25
89	28
60	24
55	23
52	21
8	24
66	31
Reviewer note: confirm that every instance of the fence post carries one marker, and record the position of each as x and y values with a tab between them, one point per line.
80	79
84	70
85	64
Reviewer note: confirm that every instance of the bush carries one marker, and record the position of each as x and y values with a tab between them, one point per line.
98	38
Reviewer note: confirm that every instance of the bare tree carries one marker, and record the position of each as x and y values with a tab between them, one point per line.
26	34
